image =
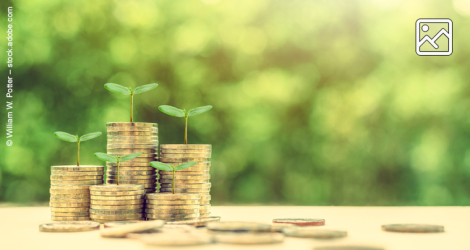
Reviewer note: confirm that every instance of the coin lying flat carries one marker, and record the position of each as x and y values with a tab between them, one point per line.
122	128
172	216
160	196
70	218
178	181
127	181
118	198
172	211
347	247
71	214
83	182
177	239
70	196
76	178
86	168
116	207
186	146
186	177
200	222
205	202
71	200
238	226
76	173
278	227
185	151
132	146
118	223
113	188
186	155
313	232
116	216
174	202
122	231
132	150
185	190
130	133
118	193
301	221
148	172
249	238
60	204
110	212
150	143
133	177
131	124
198	185
69	226
69	209
204	215
69	191
144	167
153	206
193	173
188	159
142	155
116	203
413	228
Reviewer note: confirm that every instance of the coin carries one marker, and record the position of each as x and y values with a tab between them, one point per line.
186	177
142	160
186	155
142	155
78	168
56	191
83	182
205	197
60	204
77	200
118	223
76	178
153	143
71	214
186	159
128	129
76	173
113	188
115	207
147	185
133	137
205	202
117	198
172	211
149	145
116	203
200	222
75	218
249	238
132	177
203	215
348	247
130	181
132	150
69	209
177	239
115	216
104	221
110	212
174	202
301	221
131	124
69	226
313	232
200	166
154	206
122	231
185	190
172	216
238	226
198	185
186	146
130	133
184	173
184	151
70	196
151	172
190	169
278	227
118	193
179	181
85	188
413	228
131	169
160	196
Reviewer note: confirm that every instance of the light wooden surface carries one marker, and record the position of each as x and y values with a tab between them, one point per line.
19	228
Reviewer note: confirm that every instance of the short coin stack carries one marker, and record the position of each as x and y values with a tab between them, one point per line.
116	202
172	207
133	137
70	194
195	179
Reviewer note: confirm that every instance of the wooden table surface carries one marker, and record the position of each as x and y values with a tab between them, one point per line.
19	228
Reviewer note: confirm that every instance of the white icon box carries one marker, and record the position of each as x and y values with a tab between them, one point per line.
423	29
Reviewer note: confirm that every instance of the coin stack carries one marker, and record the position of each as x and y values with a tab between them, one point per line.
116	202
172	207
133	137
70	193
195	179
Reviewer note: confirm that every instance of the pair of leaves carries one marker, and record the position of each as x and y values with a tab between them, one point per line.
165	167
74	138
170	110
116	88
112	158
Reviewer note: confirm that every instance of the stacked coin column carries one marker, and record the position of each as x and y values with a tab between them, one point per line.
133	137
70	194
116	202
195	179
172	207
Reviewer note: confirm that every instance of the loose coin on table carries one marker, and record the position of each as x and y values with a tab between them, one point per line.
122	231
177	239
69	226
278	227
413	228
313	232
301	221
249	238
238	226
200	222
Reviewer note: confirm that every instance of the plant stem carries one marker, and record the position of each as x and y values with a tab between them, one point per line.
186	130
117	182
173	179
78	153
132	104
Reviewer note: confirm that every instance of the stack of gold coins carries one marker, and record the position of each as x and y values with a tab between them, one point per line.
70	195
116	202
195	179
172	207
133	137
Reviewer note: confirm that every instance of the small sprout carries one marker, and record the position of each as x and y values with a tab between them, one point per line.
74	138
117	160
116	88
169	110
165	167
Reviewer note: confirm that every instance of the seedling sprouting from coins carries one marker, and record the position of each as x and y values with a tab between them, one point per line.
116	88
165	167
169	110
74	138
117	160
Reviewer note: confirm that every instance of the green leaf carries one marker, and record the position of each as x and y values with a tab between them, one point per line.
106	157
66	136
161	166
89	136
129	157
116	88
199	110
185	165
169	110
145	88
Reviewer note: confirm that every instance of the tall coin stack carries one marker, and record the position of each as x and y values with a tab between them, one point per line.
172	207
195	179
116	202
133	137
70	194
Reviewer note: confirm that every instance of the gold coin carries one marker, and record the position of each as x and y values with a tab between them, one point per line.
186	146
114	207
184	151
159	196
133	137
169	207
111	146
172	216
190	169
133	177
186	177
116	216
173	202
186	155
70	187
113	188
203	165
129	181
204	215
152	185
130	169
238	226
86	168
141	160
116	203
76	173
131	129
205	197
117	193
133	150
313	232
199	185
70	214
185	190
69	191
172	211
131	124
117	198
84	182
70	196
153	143
76	178
110	212
69	226
178	239
187	159
132	133
200	222
177	181
61	204
69	209
83	200
74	218
132	172
205	202
142	155
194	173
248	238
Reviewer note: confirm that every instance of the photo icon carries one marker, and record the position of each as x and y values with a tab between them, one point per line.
434	37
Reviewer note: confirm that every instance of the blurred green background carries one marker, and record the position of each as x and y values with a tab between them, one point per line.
319	102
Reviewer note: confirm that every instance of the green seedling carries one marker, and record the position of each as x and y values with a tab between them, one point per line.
74	138
116	88
115	159
165	167
169	110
